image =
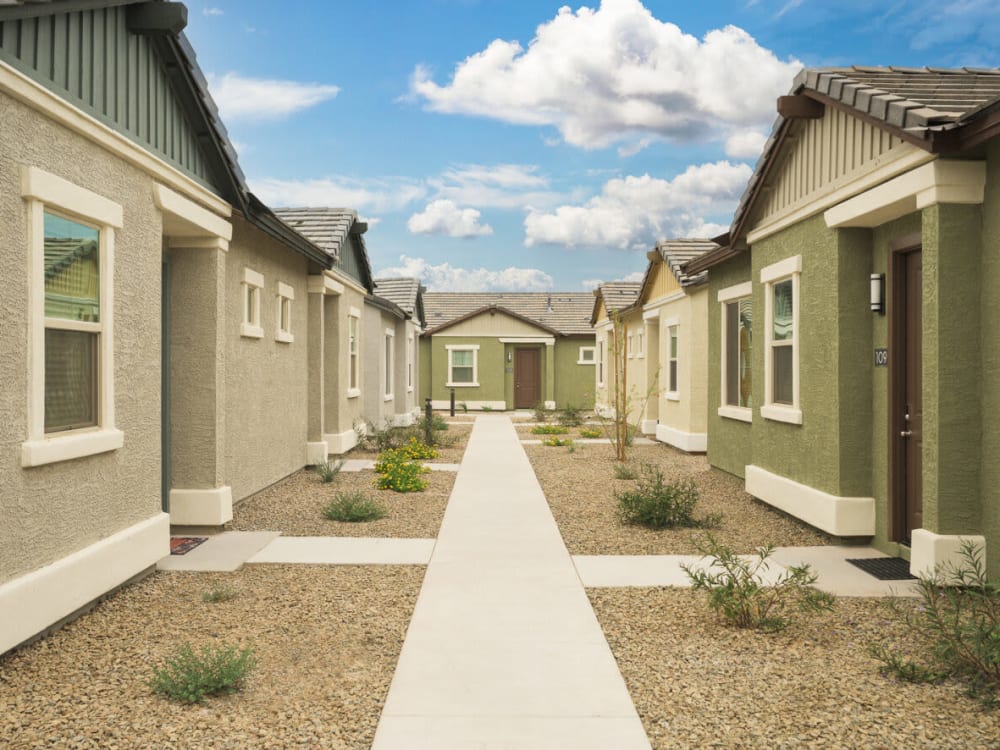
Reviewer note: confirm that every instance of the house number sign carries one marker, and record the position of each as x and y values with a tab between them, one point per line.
881	357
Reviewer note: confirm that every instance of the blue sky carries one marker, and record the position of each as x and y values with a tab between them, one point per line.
522	145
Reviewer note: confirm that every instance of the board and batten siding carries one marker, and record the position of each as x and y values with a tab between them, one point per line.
90	58
826	153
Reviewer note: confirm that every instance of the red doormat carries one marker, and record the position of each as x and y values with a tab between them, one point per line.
181	545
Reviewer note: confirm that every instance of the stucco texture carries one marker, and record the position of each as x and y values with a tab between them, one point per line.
343	410
48	512
574	383
689	412
490	364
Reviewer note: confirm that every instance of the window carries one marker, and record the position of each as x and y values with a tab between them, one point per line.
285	296
390	362
71	406
781	337
411	351
463	365
628	346
672	378
252	283
586	356
353	376
639	350
737	352
600	362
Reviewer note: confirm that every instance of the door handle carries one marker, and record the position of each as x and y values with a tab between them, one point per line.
906	433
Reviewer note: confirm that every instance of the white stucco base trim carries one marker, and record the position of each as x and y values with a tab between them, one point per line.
341	442
551	405
648	427
930	552
840	516
45	596
470	405
403	420
212	507
317	453
692	442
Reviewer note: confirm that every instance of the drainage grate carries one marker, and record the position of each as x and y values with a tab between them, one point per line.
181	545
885	568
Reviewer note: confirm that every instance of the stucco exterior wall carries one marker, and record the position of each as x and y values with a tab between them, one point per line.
343	408
266	389
574	383
378	410
48	512
490	365
688	411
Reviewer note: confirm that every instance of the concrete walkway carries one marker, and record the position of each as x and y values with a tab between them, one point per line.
504	649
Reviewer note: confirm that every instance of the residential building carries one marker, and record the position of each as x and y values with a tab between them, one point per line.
614	303
408	296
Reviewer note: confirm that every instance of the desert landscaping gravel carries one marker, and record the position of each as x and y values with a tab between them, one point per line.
294	506
453	443
326	641
580	487
699	684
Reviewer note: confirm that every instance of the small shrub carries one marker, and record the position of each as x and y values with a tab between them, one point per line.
190	678
221	592
624	471
571	448
353	507
463	406
556	442
657	504
328	470
541	413
737	591
549	429
570	416
956	629
416	450
436	424
382	438
590	432
396	471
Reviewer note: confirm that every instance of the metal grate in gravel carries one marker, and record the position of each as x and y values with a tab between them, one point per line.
885	568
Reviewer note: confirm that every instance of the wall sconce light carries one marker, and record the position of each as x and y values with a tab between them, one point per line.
509	356
877	293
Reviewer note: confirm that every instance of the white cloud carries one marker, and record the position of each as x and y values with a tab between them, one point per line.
377	194
745	144
591	283
617	75
594	283
497	186
211	11
239	97
444	217
633	212
447	278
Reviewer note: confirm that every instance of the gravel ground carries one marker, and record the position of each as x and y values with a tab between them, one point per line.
294	507
454	442
699	684
326	640
580	488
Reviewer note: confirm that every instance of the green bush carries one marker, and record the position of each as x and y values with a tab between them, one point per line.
737	591
657	504
624	471
416	450
220	593
353	507
549	429
557	442
590	432
486	407
397	471
328	470
541	413
570	416
190	678
436	424
956	629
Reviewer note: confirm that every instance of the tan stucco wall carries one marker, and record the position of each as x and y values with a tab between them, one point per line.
378	411
343	412
689	412
266	380
48	512
492	323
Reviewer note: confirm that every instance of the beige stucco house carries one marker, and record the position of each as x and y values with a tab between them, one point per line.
401	350
616	301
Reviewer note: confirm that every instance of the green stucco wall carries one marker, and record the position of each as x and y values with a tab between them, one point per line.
574	383
490	366
424	381
989	362
730	442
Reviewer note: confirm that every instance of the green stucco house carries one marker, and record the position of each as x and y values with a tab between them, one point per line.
508	350
854	357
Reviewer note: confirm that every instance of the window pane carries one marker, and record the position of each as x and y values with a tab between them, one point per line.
732	344
388	365
72	270
673	343
461	375
746	352
782	374
783	310
461	358
70	380
285	313
673	375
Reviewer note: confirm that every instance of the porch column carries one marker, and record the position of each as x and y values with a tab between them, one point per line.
316	446
550	375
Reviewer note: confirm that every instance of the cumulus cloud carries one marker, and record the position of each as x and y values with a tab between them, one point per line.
633	212
447	278
241	97
496	186
617	75
373	194
211	11
745	144
444	217
594	283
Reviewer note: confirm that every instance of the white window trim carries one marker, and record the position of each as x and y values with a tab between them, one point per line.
592	361
640	351
251	327
725	296
789	268
389	355
602	347
410	360
673	395
355	313
474	348
284	335
42	189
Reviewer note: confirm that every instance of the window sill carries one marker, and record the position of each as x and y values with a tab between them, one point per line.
251	331
461	385
586	362
353	392
673	396
388	397
780	413
409	389
740	413
284	338
68	446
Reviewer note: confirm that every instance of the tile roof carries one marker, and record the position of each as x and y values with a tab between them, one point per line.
326	227
565	312
402	292
619	295
677	253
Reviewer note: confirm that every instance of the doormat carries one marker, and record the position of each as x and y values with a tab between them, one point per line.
181	545
885	568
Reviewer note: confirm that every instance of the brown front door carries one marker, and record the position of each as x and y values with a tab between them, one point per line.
527	378
906	410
